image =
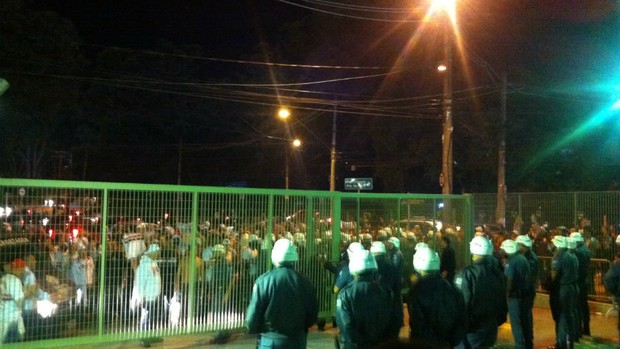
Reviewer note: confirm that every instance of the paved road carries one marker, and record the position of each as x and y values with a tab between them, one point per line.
604	336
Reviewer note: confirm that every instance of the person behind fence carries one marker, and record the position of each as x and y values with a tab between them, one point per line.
363	312
448	257
12	292
484	291
525	248
147	289
31	293
437	316
283	304
564	293
583	308
517	272
611	280
79	278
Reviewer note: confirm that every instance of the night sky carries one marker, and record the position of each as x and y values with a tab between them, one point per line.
558	49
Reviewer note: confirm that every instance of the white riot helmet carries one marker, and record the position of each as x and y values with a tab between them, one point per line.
524	240
509	246
481	246
394	240
420	245
560	241
354	247
284	251
618	240
361	262
571	243
425	259
577	237
378	247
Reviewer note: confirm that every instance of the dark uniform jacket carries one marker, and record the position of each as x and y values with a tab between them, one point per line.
437	315
284	302
517	269
583	256
611	279
532	260
484	291
364	313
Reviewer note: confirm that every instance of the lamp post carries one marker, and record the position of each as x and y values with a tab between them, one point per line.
445	180
284	114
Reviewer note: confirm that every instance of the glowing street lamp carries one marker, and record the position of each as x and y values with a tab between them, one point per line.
284	114
296	143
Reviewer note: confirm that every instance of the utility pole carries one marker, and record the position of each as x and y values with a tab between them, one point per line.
180	160
332	172
500	210
446	163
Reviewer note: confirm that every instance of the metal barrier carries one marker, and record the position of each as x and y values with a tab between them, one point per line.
596	288
83	241
597	213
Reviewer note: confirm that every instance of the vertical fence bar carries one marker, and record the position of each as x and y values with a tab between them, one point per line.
102	272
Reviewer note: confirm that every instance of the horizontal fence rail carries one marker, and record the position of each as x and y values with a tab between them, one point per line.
85	245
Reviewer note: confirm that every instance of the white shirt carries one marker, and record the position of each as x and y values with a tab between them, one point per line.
148	279
29	279
12	294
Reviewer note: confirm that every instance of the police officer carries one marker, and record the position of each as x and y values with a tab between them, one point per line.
583	308
611	280
525	248
484	291
344	276
563	298
283	304
436	309
517	272
394	253
363	310
390	277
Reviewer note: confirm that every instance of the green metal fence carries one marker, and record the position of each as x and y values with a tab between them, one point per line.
542	215
83	243
597	214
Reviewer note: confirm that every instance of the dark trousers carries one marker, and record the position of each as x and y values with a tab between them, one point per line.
565	323
151	315
517	311
583	308
484	336
528	321
278	341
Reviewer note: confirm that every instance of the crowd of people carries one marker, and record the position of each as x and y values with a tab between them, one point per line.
447	307
149	270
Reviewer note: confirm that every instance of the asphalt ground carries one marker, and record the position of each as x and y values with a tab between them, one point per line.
603	328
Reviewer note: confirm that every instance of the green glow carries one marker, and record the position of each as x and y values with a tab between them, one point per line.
607	114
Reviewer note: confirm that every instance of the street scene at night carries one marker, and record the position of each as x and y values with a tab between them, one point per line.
310	174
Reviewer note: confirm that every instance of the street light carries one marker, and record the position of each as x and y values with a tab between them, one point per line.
448	8
284	114
296	143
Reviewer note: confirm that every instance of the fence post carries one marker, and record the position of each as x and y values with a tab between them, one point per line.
102	259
